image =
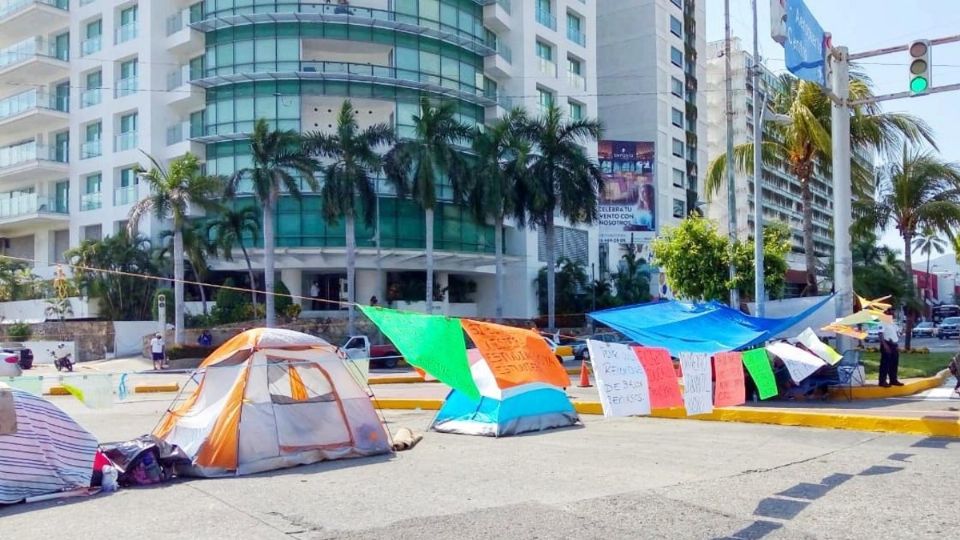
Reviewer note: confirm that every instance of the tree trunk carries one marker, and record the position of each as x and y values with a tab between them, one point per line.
203	293
253	277
428	223
549	233
268	262
351	271
911	293
498	251
178	285
809	252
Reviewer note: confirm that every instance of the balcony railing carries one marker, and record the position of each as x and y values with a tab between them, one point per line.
547	67
91	201
11	156
577	36
90	149
30	203
546	18
505	4
504	52
13	6
577	81
181	76
126	195
31	99
125	87
26	50
91	45
90	97
126	32
126	141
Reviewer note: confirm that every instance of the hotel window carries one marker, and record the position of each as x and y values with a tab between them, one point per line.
676	57
576	110
676	87
676	27
679	208
678	148
676	117
678	177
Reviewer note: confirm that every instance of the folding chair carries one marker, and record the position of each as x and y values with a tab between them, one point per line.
848	372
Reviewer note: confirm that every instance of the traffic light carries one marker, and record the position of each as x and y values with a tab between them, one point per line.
920	66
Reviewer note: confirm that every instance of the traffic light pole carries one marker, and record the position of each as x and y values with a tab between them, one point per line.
759	107
840	121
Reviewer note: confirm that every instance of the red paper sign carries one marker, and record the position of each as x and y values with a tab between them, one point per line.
729	386
662	378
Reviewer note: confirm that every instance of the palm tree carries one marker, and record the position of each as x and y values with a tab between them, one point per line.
350	163
227	230
918	194
502	155
561	177
805	142
415	166
173	191
196	246
928	242
278	156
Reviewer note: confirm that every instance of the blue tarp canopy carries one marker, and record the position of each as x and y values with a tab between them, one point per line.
697	328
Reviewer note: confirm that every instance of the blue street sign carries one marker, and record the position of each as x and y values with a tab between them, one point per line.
805	45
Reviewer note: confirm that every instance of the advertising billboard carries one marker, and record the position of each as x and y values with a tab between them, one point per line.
628	207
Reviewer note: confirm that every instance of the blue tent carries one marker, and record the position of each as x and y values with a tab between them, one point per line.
697	328
531	408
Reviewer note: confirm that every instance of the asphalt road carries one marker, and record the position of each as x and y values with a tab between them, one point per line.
612	478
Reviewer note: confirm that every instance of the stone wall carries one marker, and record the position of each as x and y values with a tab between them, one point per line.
93	339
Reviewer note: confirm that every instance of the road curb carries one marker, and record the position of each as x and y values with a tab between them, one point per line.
397	379
929	426
139	389
909	388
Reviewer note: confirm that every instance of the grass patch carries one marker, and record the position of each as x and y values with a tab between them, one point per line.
911	364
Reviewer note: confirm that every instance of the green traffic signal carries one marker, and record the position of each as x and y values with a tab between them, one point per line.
919	84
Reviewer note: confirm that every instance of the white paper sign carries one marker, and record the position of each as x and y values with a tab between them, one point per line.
621	380
697	386
800	363
808	338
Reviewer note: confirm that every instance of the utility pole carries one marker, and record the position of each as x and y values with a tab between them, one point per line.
731	187
759	107
843	259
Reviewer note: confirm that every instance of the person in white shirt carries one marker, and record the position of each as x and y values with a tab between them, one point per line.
889	355
156	348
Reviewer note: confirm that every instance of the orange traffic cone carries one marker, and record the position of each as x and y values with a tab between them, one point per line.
584	376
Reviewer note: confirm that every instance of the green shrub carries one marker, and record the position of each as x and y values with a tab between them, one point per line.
232	306
176	352
292	311
19	331
283	300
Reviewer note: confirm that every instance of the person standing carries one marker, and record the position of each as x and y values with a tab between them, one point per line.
156	350
314	295
889	355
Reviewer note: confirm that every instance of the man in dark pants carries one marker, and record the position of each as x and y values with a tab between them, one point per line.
889	355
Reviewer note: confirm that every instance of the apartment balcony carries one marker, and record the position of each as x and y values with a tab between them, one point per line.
126	87
90	149
577	37
496	15
547	67
180	93
20	19
30	208
577	81
547	19
31	162
126	141
179	138
125	195
91	45
499	65
90	97
91	201
32	61
181	38
31	112
125	33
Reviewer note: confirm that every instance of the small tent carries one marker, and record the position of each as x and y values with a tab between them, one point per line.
272	398
534	406
42	449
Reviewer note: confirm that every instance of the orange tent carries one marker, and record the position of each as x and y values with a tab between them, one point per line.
269	399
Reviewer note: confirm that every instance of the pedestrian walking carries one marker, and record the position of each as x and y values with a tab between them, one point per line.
889	355
157	349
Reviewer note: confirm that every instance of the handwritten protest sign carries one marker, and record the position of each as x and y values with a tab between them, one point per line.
800	363
729	385
758	365
662	378
621	380
808	338
516	356
430	342
697	388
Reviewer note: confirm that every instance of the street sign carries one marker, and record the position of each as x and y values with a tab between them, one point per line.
805	46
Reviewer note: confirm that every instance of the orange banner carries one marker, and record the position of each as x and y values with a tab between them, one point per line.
516	356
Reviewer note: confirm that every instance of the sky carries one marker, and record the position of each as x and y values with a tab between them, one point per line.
863	25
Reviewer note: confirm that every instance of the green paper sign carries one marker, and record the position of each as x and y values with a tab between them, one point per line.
431	342
758	365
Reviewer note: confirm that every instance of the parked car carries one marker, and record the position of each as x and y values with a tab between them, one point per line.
25	355
562	352
873	334
949	328
924	329
385	355
580	351
10	365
